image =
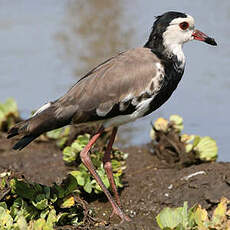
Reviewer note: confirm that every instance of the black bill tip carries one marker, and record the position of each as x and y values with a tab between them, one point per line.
210	41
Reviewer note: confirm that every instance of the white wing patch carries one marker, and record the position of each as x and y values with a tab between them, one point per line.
142	108
102	113
44	107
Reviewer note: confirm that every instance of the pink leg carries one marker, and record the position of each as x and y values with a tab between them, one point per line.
89	165
108	165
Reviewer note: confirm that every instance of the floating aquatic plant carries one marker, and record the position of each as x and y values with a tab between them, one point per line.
60	135
25	205
8	114
195	218
71	154
204	148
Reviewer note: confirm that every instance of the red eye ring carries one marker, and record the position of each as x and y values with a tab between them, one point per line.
184	25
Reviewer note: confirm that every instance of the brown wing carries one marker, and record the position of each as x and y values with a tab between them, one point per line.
112	88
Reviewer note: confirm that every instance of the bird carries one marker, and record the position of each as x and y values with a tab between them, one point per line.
128	86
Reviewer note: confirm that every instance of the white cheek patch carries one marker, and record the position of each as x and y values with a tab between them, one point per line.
174	35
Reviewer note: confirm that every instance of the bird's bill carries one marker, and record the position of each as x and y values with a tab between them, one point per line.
200	36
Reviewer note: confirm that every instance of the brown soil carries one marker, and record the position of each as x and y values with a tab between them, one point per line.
150	184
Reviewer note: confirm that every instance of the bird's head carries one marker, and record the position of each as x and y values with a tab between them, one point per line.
173	29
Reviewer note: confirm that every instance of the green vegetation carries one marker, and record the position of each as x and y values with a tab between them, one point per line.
195	218
27	205
31	206
204	148
71	154
60	135
8	114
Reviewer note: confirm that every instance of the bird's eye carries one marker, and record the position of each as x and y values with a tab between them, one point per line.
184	25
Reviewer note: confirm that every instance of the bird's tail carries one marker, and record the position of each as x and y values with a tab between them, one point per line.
43	120
23	142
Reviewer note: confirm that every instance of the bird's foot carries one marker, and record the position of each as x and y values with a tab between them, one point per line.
119	213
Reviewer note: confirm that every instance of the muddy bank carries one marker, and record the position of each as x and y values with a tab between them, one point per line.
150	184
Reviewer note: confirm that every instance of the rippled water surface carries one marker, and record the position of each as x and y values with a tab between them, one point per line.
45	46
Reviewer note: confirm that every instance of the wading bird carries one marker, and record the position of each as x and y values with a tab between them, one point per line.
125	87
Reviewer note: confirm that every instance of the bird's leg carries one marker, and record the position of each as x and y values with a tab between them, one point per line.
89	165
108	166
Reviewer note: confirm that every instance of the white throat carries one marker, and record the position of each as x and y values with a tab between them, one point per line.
175	49
174	37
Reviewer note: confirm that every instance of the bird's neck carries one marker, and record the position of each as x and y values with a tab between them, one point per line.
175	52
167	51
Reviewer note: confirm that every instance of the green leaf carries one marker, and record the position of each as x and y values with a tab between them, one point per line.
68	202
38	225
6	221
179	128
188	148
78	175
191	220
61	218
21	223
118	181
22	189
201	218
54	134
196	141
59	190
38	188
2	118
61	142
80	180
52	217
46	189
84	139
116	165
3	205
152	134
178	120
219	213
54	198
11	106
2	183
104	178
44	213
41	202
206	149
28	210
71	185
15	207
68	154
88	187
170	218
187	138
60	135
77	147
8	113
161	124
184	213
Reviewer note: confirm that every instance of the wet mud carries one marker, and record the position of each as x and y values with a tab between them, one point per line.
150	182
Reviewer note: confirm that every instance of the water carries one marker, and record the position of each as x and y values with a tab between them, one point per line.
47	45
